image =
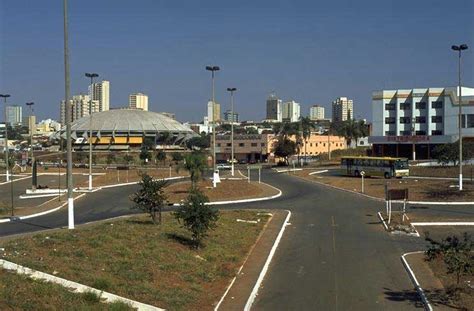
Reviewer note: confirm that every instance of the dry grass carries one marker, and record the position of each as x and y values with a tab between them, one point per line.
141	261
18	292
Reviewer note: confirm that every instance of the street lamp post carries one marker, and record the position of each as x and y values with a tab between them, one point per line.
5	96
413	132
213	69
459	49
30	106
67	90
91	76
232	90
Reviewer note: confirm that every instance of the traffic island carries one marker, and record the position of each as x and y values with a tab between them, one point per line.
226	190
135	259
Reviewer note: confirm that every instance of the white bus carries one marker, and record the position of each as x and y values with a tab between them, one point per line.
375	166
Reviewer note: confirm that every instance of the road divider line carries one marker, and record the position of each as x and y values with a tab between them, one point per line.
254	292
383	220
136	182
413	278
74	286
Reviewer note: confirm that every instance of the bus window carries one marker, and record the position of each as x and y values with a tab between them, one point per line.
401	164
344	162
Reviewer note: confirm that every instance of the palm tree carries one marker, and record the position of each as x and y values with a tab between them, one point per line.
306	128
195	164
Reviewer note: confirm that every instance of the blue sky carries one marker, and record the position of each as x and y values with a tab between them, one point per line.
309	51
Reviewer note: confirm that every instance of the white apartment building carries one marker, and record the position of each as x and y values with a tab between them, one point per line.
138	101
79	107
274	108
14	115
423	117
291	111
342	109
213	112
316	113
101	92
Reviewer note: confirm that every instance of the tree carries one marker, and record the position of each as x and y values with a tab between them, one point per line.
150	198
195	163
111	158
251	130
160	156
449	153
197	143
177	157
307	126
144	155
284	148
456	253
128	158
196	216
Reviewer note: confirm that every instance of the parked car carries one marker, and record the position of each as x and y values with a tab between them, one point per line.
223	166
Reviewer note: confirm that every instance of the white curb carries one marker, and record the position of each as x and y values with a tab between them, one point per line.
420	291
318	172
447	223
252	296
288	170
383	220
76	287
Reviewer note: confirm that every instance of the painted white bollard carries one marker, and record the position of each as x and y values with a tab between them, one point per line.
362	174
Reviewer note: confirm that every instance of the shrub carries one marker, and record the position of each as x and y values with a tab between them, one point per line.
196	216
150	198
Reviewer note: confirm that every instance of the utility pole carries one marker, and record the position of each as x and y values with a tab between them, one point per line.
5	151
213	69
91	76
460	48
232	90
67	89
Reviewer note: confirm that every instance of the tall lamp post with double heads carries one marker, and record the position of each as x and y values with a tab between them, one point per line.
5	150
91	76
213	69
232	90
459	49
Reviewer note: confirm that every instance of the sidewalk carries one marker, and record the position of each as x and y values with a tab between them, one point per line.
246	278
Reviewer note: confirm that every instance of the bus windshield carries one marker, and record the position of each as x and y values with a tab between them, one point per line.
401	164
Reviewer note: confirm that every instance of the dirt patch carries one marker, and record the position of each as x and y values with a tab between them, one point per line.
225	190
458	295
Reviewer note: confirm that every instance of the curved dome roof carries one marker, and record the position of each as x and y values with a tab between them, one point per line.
129	120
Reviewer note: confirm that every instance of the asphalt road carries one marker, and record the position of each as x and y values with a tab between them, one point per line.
20	186
334	255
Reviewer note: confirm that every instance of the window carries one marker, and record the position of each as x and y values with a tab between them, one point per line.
405	106
405	120
470	120
262	145
324	145
241	144
390	133
389	120
229	144
420	133
420	120
253	144
420	105
436	132
316	144
436	119
311	144
405	133
437	104
389	106
218	144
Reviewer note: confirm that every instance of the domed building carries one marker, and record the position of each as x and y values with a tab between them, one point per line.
124	129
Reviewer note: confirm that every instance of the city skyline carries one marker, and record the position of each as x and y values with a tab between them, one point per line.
176	81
